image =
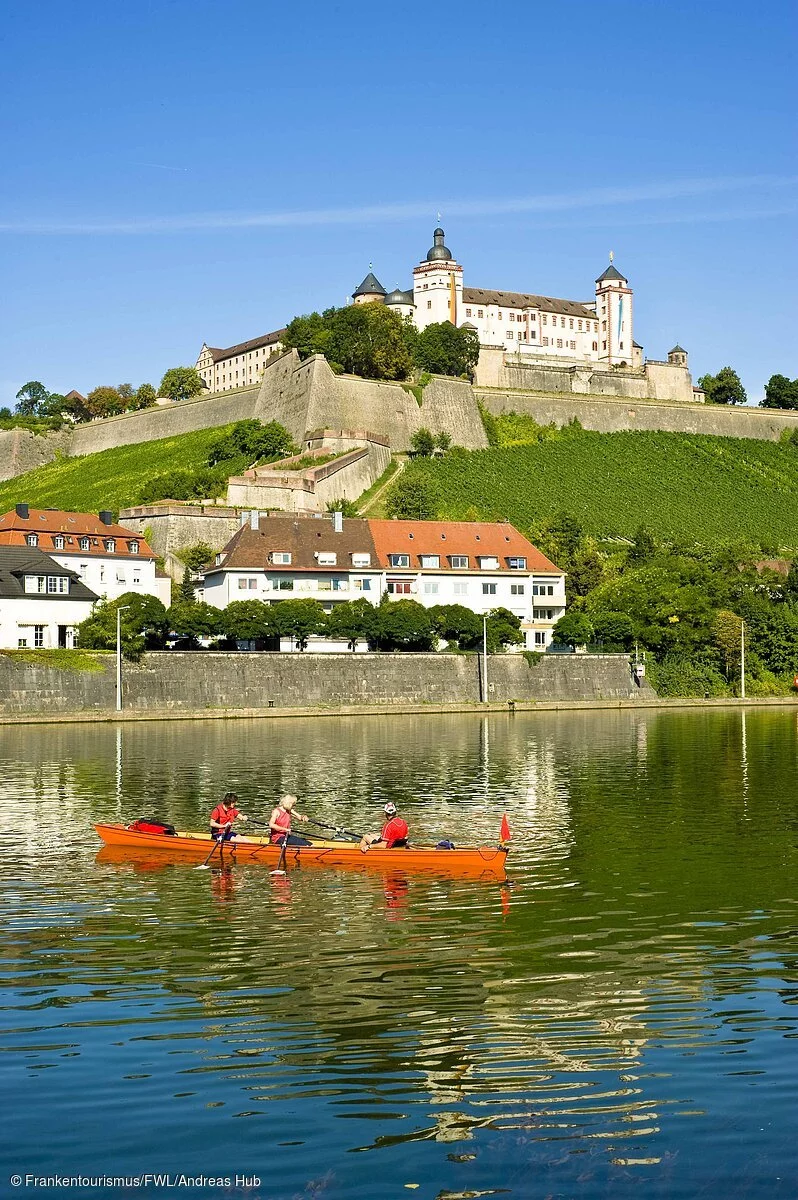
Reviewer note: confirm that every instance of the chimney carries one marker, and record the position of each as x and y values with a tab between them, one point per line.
254	519
106	517
23	511
338	521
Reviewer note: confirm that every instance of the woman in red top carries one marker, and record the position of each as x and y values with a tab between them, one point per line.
394	832
280	823
223	815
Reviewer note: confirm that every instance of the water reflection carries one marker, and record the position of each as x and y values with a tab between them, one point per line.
607	1024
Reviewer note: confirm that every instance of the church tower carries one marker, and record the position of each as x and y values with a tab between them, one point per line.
614	311
438	286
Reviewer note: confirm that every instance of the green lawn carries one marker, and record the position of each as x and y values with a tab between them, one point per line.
111	479
704	488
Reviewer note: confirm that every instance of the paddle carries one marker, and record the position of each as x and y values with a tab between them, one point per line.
355	837
280	868
203	865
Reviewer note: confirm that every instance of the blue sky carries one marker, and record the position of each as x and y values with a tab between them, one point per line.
187	170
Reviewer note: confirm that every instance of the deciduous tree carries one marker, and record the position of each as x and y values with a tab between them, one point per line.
299	619
31	398
181	383
723	388
443	349
780	392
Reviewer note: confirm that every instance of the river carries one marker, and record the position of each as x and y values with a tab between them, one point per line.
618	1021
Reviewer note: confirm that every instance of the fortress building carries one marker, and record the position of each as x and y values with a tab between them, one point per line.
595	333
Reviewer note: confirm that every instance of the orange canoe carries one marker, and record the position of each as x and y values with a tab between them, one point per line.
475	863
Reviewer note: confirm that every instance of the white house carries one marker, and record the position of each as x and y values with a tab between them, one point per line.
108	558
480	565
41	601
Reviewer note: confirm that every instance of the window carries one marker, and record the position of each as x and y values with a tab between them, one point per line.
328	558
430	560
430	587
509	334
559	343
488	562
399	560
479	312
579	323
38	636
499	316
562	322
512	316
136	579
34	583
540	637
429	304
544	320
595	345
489	589
22	643
133	547
281	556
604	345
517	589
340	585
361	585
544	341
460	587
32	539
247	584
570	324
361	560
516	563
532	334
284	585
110	545
58	542
120	577
399	587
458	562
57	585
542	589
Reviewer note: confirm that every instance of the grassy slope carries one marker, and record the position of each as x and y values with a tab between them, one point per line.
111	479
679	485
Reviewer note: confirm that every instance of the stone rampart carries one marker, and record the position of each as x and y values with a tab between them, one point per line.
612	416
22	451
655	380
171	527
180	681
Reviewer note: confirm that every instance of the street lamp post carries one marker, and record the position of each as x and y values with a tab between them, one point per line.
484	658
122	608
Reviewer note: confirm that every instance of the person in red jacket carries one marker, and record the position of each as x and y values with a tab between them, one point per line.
280	823
394	832
223	815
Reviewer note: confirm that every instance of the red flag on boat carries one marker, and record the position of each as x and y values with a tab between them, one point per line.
505	829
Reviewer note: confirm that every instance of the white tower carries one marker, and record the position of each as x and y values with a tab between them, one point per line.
614	300
438	286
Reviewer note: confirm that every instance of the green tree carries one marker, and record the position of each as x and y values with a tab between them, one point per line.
143	625
104	401
145	397
502	629
248	620
181	383
443	442
574	629
413	498
422	443
356	621
186	592
644	545
723	388
403	625
347	508
255	441
299	619
197	556
613	628
192	620
780	392
31	398
369	340
456	623
444	350
309	334
727	634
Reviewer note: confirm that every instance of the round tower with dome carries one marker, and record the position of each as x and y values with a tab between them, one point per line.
438	285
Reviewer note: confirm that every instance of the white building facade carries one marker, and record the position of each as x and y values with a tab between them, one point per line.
108	558
41	602
479	565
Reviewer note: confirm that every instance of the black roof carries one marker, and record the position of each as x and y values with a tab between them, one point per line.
369	286
18	561
611	273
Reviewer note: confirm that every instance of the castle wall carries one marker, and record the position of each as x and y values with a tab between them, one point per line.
171	527
22	451
655	381
611	416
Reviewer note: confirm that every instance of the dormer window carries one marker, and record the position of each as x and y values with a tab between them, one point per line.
458	562
133	547
110	545
32	539
399	560
84	543
58	542
430	561
327	558
361	560
516	563
281	557
488	562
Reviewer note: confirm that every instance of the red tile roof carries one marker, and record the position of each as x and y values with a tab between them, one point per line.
48	522
472	538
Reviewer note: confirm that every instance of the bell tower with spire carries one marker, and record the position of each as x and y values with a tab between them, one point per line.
438	286
614	299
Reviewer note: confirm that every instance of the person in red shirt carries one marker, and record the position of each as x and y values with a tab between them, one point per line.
280	823
223	815
394	832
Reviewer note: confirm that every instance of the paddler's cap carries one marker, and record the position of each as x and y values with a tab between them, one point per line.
390	808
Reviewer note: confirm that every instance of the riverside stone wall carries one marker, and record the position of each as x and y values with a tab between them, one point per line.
175	681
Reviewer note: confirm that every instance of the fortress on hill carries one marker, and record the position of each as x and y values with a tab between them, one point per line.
520	333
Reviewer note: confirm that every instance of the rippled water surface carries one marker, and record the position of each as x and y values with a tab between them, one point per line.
620	1021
